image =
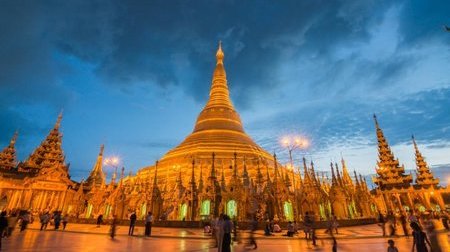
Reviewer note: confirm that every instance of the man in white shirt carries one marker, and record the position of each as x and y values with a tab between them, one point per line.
148	224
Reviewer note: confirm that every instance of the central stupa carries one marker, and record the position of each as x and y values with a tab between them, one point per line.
218	128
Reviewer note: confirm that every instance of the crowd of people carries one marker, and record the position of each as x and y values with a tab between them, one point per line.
412	223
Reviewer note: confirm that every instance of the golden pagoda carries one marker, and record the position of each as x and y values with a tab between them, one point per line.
217	169
395	191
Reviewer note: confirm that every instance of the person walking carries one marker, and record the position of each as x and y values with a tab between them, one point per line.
227	229
403	223
392	223
65	220
57	219
219	232
382	223
112	231
45	218
133	218
3	226
253	228
419	238
25	220
99	220
148	224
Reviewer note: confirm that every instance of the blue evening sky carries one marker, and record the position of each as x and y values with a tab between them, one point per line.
134	75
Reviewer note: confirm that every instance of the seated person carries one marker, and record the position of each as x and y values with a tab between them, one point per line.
290	229
276	228
207	229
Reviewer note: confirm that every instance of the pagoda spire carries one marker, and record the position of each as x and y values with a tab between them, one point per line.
213	169
8	158
155	178
424	175
345	175
334	181
200	182
49	154
219	94
389	172
356	180
97	177
306	177
235	165
338	174
245	177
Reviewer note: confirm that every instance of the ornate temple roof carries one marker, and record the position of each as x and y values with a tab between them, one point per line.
389	172
425	177
97	177
218	127
8	159
48	154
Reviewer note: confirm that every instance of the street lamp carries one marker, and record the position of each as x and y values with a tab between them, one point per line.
292	143
112	162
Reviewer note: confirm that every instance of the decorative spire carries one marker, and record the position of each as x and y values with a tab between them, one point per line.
48	155
192	174
345	175
245	177
200	182
155	179
333	176
219	94
58	121
424	177
97	177
389	172
356	180
213	169
235	165
306	176
338	173
8	158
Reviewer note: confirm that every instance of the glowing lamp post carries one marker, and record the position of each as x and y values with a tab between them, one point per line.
292	143
112	162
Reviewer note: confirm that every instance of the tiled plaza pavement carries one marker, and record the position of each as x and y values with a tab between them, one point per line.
89	238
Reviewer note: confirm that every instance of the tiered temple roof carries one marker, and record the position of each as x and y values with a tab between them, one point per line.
389	172
97	177
8	159
424	176
48	154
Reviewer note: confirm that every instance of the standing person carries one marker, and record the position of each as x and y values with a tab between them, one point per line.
334	223
253	228
419	238
45	218
148	224
382	223
112	231
65	219
392	247
57	219
403	222
392	223
99	220
307	226
25	221
3	226
133	218
12	221
219	232
227	229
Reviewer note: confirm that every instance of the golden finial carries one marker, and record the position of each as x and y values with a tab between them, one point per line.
102	147
220	55
14	138
58	121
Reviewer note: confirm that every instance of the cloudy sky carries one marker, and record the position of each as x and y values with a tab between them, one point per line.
135	74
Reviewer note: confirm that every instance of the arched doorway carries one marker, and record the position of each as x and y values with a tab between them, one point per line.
288	211
205	208
143	210
89	210
183	211
231	209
